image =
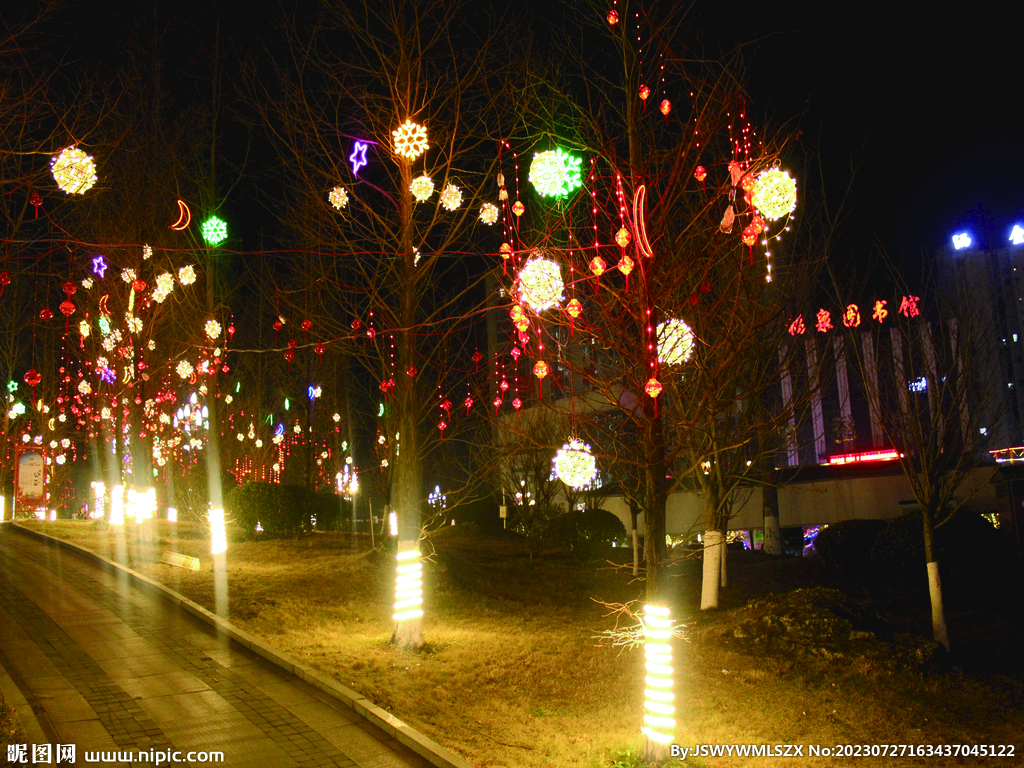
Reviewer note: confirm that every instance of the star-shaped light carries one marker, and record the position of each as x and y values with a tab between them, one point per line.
358	156
99	266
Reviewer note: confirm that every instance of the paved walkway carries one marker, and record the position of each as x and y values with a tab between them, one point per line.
108	667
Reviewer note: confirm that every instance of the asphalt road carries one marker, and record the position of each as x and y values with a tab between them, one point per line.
110	668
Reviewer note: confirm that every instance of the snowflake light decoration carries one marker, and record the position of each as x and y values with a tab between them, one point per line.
338	197
212	329
184	369
555	173
410	140
164	286
422	188
675	342
215	230
84	387
128	275
774	194
489	213
187	275
574	464
84	329
74	171
540	283
451	197
134	323
87	283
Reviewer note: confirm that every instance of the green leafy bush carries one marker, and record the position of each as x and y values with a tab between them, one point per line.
584	533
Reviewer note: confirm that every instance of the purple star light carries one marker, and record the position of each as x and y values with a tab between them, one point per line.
99	266
358	156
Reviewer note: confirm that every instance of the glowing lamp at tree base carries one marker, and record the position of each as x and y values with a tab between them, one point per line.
659	696
574	464
408	586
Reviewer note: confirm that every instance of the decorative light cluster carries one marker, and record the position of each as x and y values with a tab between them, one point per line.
555	173
574	464
215	230
338	197
128	275
164	286
187	275
540	283
774	194
962	240
408	585
410	140
184	369
422	187
451	197
675	342
489	213
74	171
658	695
212	329
134	324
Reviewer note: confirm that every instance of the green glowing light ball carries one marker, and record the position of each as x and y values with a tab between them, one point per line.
215	230
556	173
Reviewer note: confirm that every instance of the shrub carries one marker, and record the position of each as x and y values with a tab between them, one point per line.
583	533
282	510
844	549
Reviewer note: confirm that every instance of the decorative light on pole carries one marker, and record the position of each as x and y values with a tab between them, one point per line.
659	722
408	586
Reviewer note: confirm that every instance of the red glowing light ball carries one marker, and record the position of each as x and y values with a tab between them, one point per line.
540	370
666	107
644	92
613	17
46	313
652	387
33	377
749	235
700	174
574	308
598	266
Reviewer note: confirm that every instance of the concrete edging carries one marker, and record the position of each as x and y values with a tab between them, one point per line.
405	734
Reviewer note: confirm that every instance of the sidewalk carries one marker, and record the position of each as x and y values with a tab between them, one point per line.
107	666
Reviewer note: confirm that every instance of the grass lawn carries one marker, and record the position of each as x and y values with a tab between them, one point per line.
513	676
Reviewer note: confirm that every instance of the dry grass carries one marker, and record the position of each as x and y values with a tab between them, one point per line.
11	731
512	675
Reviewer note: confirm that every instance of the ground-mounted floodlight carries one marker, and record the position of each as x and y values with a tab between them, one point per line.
172	515
99	491
408	586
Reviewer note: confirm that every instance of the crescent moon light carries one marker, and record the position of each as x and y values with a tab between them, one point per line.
184	217
103	304
638	217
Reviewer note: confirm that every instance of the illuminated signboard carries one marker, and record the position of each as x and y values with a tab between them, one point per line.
889	454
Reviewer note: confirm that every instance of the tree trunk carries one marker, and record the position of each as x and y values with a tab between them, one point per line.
634	513
772	534
713	545
725	559
934	583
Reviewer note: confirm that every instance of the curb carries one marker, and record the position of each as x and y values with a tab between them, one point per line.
405	734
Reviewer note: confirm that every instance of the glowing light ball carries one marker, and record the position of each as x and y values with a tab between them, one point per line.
645	92
83	328
574	464
410	140
164	286
540	284
338	197
652	387
774	194
214	230
489	213
598	266
84	387
74	171
622	237
186	275
749	236
147	251
134	324
451	197
212	329
540	369
675	342
555	173
422	187
613	17
700	174
626	265
184	369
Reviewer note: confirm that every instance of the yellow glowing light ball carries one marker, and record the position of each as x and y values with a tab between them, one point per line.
540	283
83	328
422	187
186	275
74	171
410	140
184	369
598	266
774	194
212	329
622	237
675	342
489	213
574	464
451	197
338	197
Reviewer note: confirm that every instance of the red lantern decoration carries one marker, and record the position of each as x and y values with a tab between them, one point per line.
518	208
69	287
626	265
517	404
666	107
442	425
574	308
411	371
231	330
516	352
278	325
468	402
644	93
139	285
46	314
653	389
622	237
289	355
598	266
5	280
33	378
700	174
613	17
306	325
497	404
749	235
319	349
68	309
540	369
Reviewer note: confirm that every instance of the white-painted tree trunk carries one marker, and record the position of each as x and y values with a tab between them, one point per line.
938	613
636	552
772	536
712	569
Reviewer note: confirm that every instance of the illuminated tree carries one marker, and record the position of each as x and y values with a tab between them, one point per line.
387	279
